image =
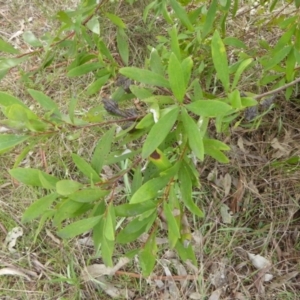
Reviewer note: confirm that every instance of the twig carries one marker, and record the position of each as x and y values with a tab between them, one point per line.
277	90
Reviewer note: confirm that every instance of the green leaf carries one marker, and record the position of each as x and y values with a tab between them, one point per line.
88	195
94	25
31	39
147	255
122	42
219	57
131	210
239	72
297	3
107	249
78	227
182	15
186	192
156	63
38	207
149	190
214	148
116	20
271	62
209	108
176	78
159	132
235	99
7	100
45	183
8	48
194	135
187	65
234	42
84	69
67	187
145	76
110	223
135	228
8	63
97	85
7	141
173	227
46	102
141	93
174	42
30	176
210	18
102	149
85	168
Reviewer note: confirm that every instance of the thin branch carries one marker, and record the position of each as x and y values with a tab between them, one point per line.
277	90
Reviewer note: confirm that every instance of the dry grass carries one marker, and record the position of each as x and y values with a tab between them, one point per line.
260	185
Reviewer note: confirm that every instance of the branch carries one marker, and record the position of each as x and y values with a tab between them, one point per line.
277	90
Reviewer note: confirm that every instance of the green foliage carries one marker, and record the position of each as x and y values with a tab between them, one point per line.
187	83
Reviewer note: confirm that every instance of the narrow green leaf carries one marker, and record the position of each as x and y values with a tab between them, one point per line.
214	149
173	228
78	227
186	252
8	63
102	149
107	249
156	63
234	42
8	48
97	85
209	108
7	100
141	93
38	207
135	228
67	187
45	182
46	102
159	132
277	58
122	42
210	18
235	99
31	176
187	65
145	76
182	15
147	255
116	20
110	223
131	210
7	141
88	195
176	78
239	72
219	57
194	135
85	168
31	39
186	192
94	25
149	190
84	69
174	42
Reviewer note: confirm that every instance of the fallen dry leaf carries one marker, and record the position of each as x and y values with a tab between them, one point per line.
238	195
215	295
11	239
13	272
